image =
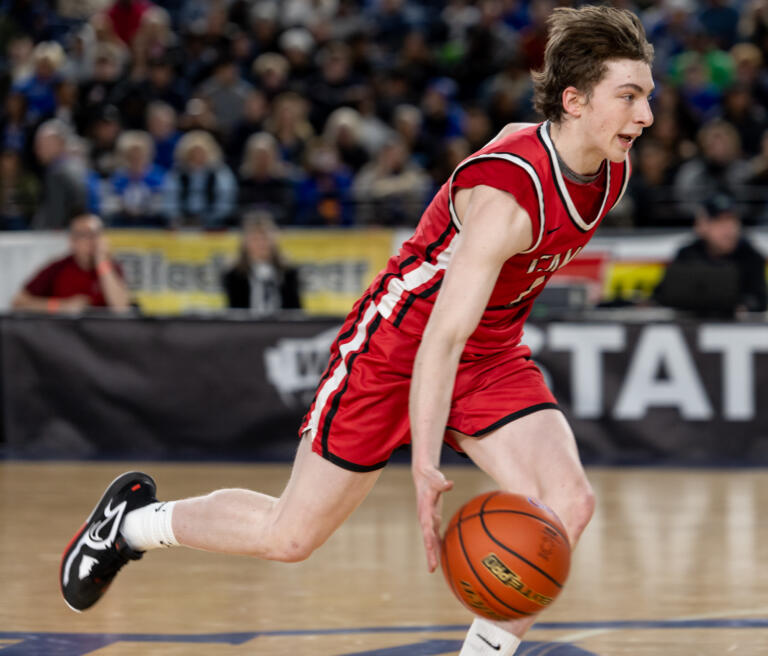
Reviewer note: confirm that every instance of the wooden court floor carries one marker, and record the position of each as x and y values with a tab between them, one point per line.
675	562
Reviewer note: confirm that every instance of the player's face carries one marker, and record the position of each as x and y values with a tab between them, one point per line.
618	109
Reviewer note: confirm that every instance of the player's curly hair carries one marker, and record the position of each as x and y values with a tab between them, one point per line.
580	43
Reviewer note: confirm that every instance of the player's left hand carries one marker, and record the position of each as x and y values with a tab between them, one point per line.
430	484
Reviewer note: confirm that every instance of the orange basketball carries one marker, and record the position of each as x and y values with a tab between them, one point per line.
505	555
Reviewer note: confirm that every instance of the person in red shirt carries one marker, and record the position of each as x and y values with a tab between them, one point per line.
125	17
87	277
431	353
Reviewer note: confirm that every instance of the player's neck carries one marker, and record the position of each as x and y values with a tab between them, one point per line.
574	150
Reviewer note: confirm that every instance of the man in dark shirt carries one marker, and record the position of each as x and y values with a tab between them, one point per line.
87	277
721	244
64	187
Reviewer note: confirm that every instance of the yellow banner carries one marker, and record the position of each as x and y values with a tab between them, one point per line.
177	272
631	280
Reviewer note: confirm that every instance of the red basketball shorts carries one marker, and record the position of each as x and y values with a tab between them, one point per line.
359	415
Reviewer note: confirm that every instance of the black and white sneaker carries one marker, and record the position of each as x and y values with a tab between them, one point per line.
97	552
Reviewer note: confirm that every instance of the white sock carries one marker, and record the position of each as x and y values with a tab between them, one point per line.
487	639
149	527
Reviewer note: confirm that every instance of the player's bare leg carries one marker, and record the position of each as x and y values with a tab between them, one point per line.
128	520
318	498
535	455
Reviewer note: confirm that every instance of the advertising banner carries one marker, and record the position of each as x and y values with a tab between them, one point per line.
634	392
178	272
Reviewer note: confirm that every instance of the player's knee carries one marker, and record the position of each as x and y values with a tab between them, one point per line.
581	510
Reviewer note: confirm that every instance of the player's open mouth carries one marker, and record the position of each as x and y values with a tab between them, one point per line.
626	140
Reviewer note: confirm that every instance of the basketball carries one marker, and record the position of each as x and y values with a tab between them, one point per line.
505	556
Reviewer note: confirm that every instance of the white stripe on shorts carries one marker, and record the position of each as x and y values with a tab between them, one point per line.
333	382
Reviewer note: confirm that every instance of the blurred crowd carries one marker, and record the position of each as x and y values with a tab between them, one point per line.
180	113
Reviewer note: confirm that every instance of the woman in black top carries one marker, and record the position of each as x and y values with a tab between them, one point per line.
261	280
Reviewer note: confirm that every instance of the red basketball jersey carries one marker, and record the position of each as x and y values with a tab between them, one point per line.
564	216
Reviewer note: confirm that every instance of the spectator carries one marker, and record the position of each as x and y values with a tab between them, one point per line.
264	183
343	130
81	53
155	41
123	19
261	280
334	86
103	134
134	195
720	242
650	187
749	71
86	277
160	85
452	152
408	123
14	129
477	128
289	125
270	72
161	125
721	21
747	116
19	191
374	132
99	91
298	45
64	186
323	194
719	165
255	112
442	116
201	189
392	189
66	101
226	93
17	63
39	89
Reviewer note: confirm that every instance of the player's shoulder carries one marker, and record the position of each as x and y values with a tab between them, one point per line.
510	134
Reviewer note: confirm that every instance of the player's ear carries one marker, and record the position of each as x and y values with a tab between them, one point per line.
574	101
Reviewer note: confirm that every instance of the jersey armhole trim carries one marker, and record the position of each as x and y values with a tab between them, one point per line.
627	170
513	159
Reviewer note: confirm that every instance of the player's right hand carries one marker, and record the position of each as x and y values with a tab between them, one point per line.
430	484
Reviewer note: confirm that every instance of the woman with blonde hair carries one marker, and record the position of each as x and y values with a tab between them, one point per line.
133	196
201	190
261	280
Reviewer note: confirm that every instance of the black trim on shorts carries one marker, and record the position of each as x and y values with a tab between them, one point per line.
337	397
351	466
511	417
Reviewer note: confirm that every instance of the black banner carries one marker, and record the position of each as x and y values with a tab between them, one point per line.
685	392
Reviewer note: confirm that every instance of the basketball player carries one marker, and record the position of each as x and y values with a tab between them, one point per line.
437	332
